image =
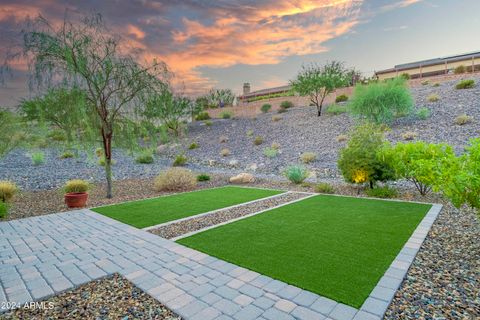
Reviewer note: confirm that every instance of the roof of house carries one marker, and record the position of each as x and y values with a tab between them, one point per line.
264	92
431	62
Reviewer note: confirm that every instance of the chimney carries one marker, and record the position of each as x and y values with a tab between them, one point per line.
246	88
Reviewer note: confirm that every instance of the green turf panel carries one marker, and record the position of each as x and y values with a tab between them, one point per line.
149	212
338	247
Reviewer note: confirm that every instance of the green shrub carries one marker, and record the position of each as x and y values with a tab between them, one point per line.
465	84
436	84
433	97
296	174
57	135
335	109
463	119
145	157
3	210
382	192
102	160
99	152
275	145
258	140
76	186
281	110
67	154
250	133
405	76
308	157
460	69
423	113
381	102
193	145
286	104
208	123
202	116
38	158
324	188
203	177
226	115
425	83
180	160
359	162
270	152
341	98
409	135
175	179
8	190
266	107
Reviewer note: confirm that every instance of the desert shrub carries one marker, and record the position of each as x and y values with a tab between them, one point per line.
99	152
225	152
282	110
275	145
226	115
463	119
405	76
425	83
324	188
57	135
286	104
465	84
409	135
208	123
433	97
270	152
76	186
3	210
7	191
250	133
258	140
193	145
382	192
308	157
38	158
101	161
202	116
423	113
418	162
180	160
276	118
296	174
67	154
175	179
359	161
335	109
341	98
436	84
460	69
146	157
203	177
223	139
266	107
342	137
381	102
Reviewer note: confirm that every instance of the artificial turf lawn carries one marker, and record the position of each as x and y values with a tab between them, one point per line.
338	247
149	212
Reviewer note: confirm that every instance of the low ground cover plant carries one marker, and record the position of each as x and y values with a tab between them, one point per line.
76	186
258	140
275	145
341	98
208	123
266	107
270	152
342	137
38	158
175	179
324	187
460	69
203	177
296	174
465	84
67	155
433	97
423	113
180	160
3	210
286	104
276	118
336	109
102	162
8	190
193	145
223	139
202	116
225	152
308	157
382	192
409	135
463	119
381	102
226	115
145	157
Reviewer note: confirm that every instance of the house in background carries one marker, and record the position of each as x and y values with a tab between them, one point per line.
433	67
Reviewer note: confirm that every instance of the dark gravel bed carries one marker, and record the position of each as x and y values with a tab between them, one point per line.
108	298
177	229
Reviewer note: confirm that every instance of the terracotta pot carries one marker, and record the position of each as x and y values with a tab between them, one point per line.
76	199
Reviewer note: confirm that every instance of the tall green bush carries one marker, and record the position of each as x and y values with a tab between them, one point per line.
360	160
381	102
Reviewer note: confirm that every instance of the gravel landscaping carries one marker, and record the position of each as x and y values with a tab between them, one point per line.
108	298
179	228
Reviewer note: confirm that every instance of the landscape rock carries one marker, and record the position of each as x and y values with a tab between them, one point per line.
242	178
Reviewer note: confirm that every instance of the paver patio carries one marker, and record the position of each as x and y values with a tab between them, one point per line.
41	256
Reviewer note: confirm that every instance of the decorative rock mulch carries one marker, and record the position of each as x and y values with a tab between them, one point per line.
108	298
179	228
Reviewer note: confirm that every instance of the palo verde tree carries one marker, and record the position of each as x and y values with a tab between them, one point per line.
83	53
317	81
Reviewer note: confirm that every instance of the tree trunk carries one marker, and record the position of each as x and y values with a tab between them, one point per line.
319	108
108	172
107	149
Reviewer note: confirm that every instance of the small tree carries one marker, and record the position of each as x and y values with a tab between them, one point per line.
10	132
360	161
381	102
86	55
318	81
418	162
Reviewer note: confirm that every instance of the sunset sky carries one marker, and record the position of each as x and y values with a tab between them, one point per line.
224	43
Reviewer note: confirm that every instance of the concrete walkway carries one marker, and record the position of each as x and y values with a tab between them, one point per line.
42	256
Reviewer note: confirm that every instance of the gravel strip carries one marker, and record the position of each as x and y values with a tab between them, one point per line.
176	229
108	298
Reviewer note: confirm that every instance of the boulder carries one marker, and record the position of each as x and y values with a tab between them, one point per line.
242	178
161	149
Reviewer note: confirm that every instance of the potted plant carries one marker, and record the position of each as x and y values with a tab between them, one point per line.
76	193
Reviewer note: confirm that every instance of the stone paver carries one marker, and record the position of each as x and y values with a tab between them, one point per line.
44	255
